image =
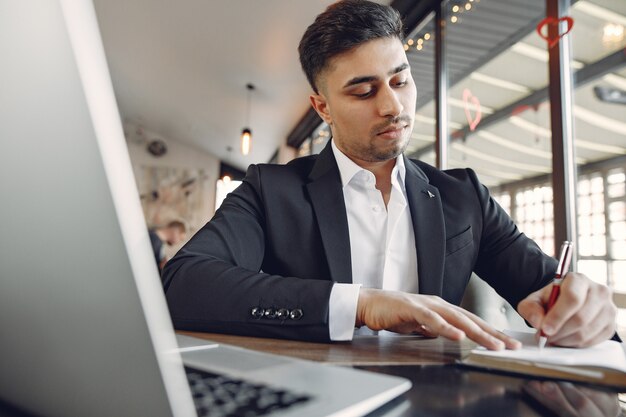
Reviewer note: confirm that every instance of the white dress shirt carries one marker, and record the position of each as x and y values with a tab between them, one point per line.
382	242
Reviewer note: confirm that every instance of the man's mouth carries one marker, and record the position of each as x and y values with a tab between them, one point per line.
392	131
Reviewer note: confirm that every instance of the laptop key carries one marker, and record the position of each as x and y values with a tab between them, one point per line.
222	396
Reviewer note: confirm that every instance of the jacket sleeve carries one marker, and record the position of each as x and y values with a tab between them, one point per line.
215	282
508	260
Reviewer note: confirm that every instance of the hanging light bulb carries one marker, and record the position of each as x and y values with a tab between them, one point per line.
246	133
246	138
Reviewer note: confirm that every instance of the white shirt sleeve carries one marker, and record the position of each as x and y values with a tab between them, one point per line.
342	311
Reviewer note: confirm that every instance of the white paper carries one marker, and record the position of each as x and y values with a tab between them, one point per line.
608	354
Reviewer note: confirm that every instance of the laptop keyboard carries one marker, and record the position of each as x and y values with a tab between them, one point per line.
220	396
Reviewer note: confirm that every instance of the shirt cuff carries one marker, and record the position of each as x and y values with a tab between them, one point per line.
342	311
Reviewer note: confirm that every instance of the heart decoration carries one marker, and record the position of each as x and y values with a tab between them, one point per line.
470	102
553	37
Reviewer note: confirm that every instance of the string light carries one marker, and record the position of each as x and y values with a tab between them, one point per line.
612	33
454	18
246	133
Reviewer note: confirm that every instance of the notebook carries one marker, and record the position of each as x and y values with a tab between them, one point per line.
603	364
84	322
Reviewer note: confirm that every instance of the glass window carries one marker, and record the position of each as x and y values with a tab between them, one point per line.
490	52
420	47
224	186
598	42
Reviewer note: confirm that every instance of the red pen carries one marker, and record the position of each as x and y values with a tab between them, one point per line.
561	270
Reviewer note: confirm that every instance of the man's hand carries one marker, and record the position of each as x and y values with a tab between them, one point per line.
568	400
426	314
583	315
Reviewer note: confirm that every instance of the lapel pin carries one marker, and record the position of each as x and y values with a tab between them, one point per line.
428	193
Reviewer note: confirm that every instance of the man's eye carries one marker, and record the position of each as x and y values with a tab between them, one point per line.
400	83
362	94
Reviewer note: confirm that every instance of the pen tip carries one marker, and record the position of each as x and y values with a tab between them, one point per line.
542	341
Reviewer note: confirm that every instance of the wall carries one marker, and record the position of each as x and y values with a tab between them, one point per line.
179	185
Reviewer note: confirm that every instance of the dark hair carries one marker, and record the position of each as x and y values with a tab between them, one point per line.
343	26
177	224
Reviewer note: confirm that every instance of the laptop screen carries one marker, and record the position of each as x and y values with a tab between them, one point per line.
78	286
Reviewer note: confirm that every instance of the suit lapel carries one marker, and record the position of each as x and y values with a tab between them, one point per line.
429	229
326	195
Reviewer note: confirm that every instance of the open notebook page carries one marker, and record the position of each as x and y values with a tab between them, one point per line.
608	354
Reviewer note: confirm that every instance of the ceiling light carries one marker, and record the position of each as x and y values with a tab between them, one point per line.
246	133
487	79
600	147
600	12
423	137
616	80
599	120
579	143
530	127
612	33
499	161
610	94
481	171
538	54
462	105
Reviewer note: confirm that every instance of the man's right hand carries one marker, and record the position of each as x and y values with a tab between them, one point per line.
426	314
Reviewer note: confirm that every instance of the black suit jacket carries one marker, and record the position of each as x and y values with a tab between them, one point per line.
265	264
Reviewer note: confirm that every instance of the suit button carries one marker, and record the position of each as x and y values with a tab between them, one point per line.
282	313
270	313
257	312
295	314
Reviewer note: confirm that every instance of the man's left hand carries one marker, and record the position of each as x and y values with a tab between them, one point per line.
583	315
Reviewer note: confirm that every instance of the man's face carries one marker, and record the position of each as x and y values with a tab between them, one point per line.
367	96
175	236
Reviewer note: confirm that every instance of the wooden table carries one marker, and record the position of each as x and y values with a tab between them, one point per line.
362	351
440	386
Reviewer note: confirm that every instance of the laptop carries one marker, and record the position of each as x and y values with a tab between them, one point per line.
84	322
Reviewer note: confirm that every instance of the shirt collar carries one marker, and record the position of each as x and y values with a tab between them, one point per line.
348	169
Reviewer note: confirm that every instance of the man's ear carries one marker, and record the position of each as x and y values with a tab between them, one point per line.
320	104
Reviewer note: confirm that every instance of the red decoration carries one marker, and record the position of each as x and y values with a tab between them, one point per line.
554	37
471	103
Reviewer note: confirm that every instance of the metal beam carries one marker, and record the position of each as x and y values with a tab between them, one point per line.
441	90
587	74
562	125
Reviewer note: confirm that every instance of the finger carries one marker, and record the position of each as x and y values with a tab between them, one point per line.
549	394
583	339
606	401
461	319
532	307
434	324
553	393
509	342
574	292
597	326
585	320
580	400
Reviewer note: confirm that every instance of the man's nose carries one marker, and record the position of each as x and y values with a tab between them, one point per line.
389	103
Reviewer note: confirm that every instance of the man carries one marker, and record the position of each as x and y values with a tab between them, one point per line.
172	234
362	236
